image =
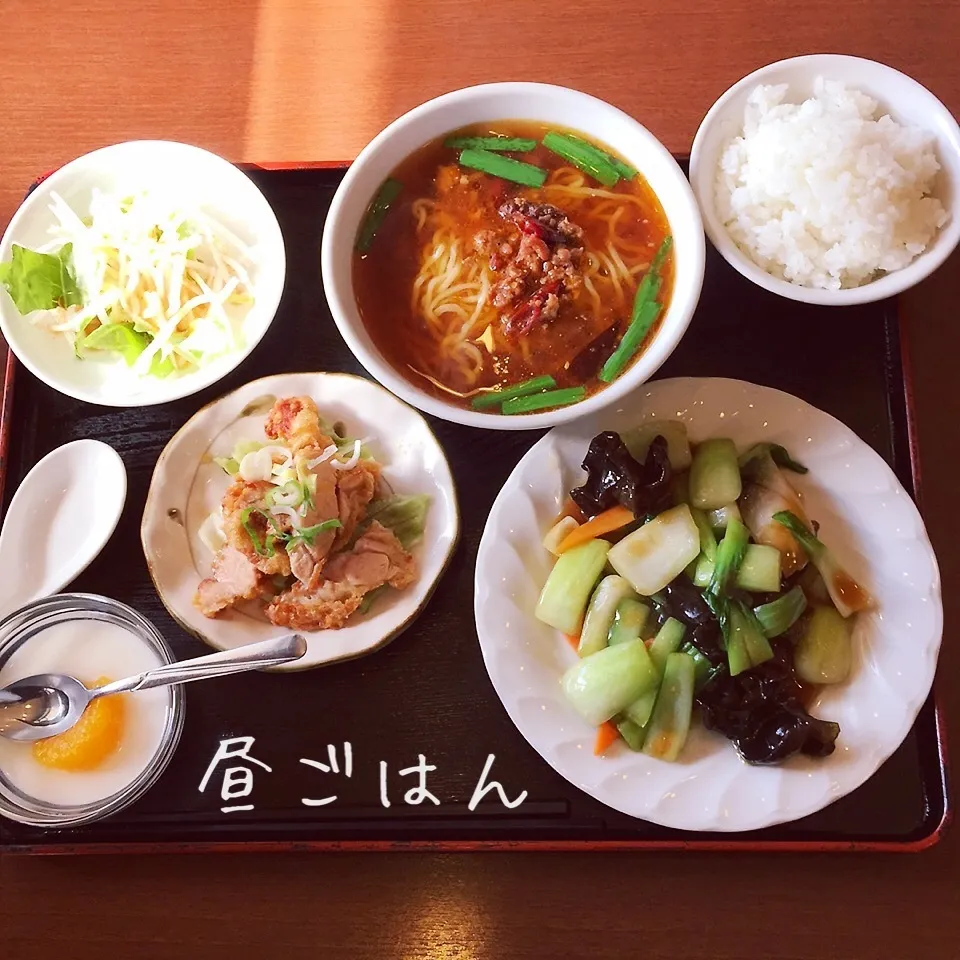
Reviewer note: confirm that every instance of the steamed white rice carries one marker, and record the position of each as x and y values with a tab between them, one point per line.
824	193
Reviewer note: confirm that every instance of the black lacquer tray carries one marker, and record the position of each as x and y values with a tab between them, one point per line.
427	693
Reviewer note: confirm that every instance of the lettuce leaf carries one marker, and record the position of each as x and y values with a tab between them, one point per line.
371	597
231	465
161	366
228	465
405	516
40	281
117	338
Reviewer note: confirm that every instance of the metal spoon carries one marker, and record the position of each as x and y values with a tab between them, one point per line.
50	703
62	514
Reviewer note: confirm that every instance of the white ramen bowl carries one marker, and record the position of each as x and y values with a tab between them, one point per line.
541	103
903	98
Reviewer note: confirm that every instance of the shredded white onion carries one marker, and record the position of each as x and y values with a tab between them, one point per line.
327	453
352	462
256	465
177	274
260	464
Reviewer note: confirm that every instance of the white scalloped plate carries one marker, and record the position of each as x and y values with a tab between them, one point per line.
187	486
865	515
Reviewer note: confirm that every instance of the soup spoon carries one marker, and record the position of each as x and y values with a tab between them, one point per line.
59	520
50	703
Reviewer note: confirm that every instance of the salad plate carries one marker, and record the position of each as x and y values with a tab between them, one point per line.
140	273
872	526
190	480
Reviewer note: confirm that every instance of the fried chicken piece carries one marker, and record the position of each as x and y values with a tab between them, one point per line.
327	606
355	489
240	495
376	558
342	494
234	578
296	421
307	559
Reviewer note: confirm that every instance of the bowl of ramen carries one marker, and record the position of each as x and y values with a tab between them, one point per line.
513	256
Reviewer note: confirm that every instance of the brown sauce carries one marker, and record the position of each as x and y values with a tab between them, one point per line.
852	594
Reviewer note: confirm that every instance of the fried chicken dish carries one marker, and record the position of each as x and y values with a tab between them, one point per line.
306	526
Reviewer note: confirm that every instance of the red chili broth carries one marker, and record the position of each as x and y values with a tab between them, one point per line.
572	347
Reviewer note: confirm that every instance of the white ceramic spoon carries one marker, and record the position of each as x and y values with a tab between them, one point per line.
59	519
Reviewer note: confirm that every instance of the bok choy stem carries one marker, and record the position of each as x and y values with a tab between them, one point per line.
847	595
778	616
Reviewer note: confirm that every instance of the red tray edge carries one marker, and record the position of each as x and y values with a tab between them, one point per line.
546	846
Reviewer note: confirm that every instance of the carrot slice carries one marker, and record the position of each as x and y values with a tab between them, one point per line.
573	640
606	735
612	519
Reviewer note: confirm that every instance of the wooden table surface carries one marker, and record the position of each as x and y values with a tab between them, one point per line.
315	79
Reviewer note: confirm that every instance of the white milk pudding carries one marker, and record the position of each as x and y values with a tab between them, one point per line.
119	739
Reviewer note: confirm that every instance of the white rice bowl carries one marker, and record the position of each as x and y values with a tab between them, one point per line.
825	193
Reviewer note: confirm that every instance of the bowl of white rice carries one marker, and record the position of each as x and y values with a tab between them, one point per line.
829	179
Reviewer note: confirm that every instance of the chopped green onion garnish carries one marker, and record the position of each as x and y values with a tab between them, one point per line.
388	192
266	547
584	156
623	168
263	548
290	494
507	169
496	397
544	401
645	313
308	535
496	144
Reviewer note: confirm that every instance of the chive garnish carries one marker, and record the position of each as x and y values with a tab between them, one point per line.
388	192
495	144
644	315
657	262
504	167
496	397
544	401
638	329
584	156
623	168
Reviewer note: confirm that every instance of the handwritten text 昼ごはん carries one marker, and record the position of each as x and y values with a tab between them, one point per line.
234	761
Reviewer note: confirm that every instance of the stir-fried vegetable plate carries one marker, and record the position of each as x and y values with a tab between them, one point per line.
686	576
721	563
